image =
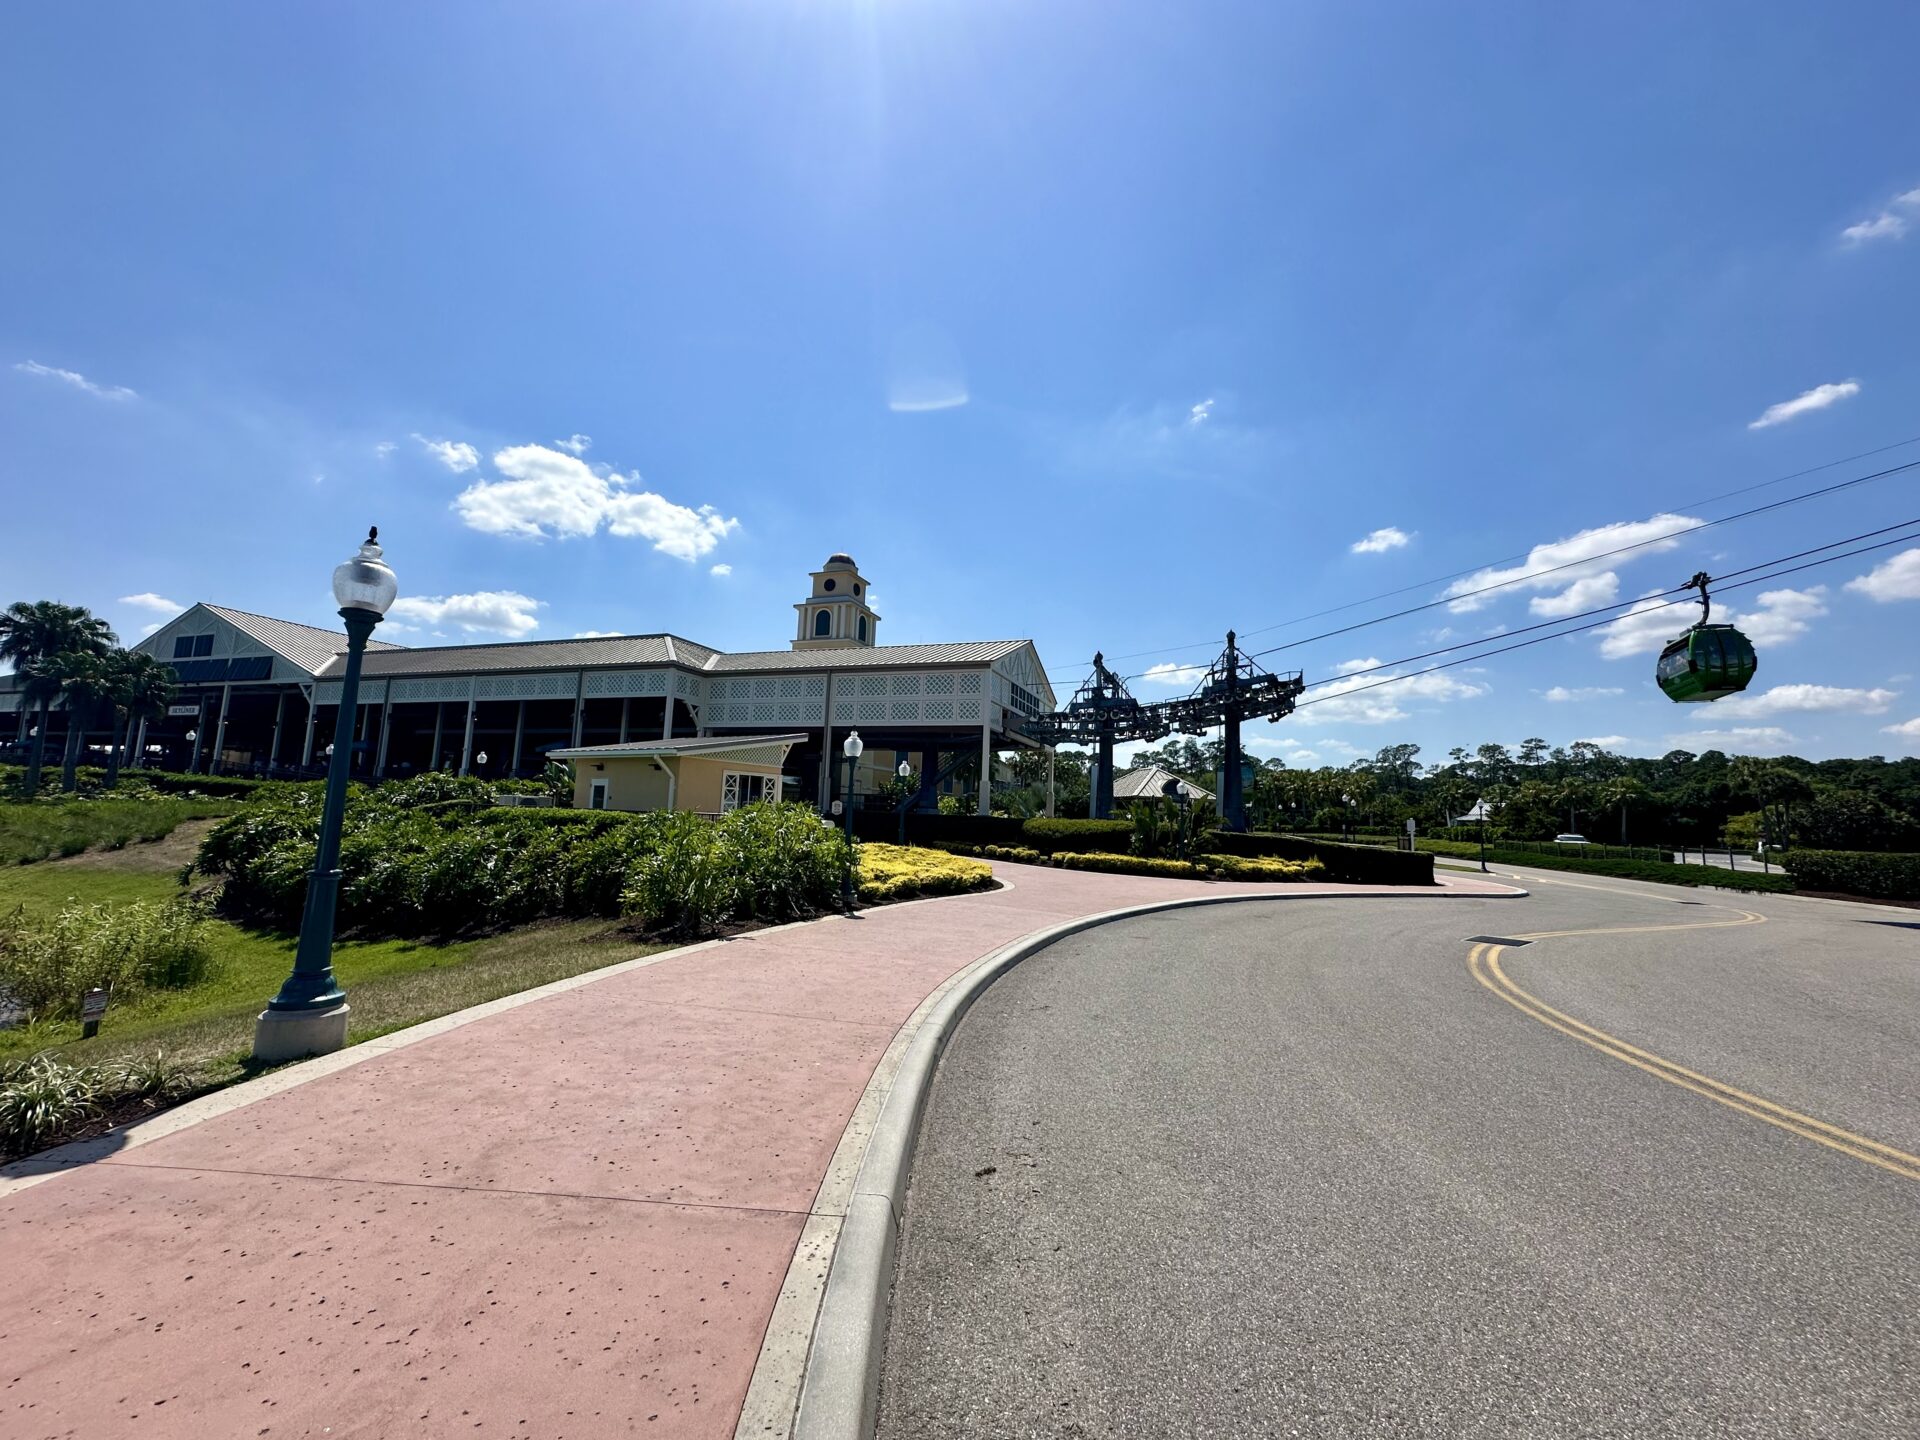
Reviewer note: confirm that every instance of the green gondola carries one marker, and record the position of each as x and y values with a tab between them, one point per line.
1709	662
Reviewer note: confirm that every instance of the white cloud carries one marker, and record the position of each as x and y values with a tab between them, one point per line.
1589	593
1908	730
1745	739
1605	742
1895	579
1887	225
382	449
489	612
1349	701
1807	401
596	634
1560	694
75	379
147	600
1782	615
546	493
575	444
1778	617
1653	535
1197	415
456	455
1378	542
1803	699
146	630
1884	226
721	570
674	529
1168	673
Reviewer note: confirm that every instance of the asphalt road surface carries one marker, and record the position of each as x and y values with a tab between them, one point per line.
1279	1170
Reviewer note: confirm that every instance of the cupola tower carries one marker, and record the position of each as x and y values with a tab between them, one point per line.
836	614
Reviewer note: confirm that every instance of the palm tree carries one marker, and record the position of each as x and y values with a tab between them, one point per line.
85	681
1622	790
141	688
31	634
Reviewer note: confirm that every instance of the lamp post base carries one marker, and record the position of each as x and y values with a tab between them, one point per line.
292	1035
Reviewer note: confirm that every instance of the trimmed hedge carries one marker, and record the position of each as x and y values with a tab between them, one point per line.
1654	870
889	872
1109	864
1856	872
924	827
1208	867
1348	864
1055	836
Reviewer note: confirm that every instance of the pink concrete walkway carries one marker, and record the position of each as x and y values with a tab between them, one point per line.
571	1218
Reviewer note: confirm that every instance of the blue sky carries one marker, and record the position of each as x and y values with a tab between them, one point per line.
1106	324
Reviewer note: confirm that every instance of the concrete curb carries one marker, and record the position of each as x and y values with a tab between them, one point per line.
839	1390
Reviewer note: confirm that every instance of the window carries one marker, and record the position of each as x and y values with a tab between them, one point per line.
597	795
863	627
827	584
187	647
737	789
822	623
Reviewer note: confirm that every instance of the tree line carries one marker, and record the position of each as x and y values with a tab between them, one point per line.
1537	790
67	656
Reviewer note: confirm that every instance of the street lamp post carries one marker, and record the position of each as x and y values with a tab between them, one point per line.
193	739
905	772
850	748
309	1015
481	761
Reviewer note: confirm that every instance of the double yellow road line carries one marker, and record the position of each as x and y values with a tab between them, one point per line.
1483	962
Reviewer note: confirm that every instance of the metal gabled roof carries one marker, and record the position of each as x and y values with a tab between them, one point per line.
864	657
1147	782
703	745
307	646
600	650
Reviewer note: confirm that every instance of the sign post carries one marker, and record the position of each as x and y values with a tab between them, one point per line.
93	1009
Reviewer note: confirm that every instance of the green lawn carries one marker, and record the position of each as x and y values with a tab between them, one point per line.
30	832
390	984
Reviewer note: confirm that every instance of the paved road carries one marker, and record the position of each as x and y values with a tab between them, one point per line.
1295	1171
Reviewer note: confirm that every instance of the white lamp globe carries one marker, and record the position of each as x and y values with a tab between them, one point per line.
364	582
852	746
903	770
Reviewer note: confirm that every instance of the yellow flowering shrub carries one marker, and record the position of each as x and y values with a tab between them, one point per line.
1235	867
901	872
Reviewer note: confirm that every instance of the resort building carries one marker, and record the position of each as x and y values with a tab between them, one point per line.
1155	782
261	696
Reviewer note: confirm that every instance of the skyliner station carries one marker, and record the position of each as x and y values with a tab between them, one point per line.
261	696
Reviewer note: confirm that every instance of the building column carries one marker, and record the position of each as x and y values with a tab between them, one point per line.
626	714
826	741
220	730
666	714
466	746
519	729
386	729
985	807
279	713
579	709
928	798
313	709
439	718
140	744
1049	782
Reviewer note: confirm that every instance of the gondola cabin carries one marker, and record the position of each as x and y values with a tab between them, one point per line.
1709	662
